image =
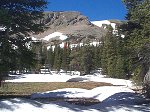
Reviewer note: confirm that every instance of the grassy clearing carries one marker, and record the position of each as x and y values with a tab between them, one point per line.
28	88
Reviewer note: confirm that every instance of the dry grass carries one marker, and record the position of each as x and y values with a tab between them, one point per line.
29	88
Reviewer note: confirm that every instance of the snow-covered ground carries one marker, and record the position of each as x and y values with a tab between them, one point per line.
100	93
63	77
118	98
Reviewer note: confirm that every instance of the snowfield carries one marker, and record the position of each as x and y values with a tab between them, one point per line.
55	35
117	98
105	22
63	77
100	93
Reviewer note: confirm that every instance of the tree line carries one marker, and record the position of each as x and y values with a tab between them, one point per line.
110	54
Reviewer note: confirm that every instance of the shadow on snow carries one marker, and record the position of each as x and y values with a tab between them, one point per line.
124	100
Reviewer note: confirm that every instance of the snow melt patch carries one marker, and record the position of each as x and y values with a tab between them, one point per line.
117	82
112	98
63	77
100	23
100	93
56	35
40	78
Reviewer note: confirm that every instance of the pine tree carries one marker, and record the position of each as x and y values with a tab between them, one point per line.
75	59
87	59
97	56
44	55
57	57
115	62
109	53
103	56
51	57
120	56
137	34
68	56
65	57
19	18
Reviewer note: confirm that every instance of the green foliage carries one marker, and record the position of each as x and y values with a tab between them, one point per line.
97	55
137	32
58	57
37	50
19	18
65	57
113	57
23	15
44	55
108	53
137	79
119	68
51	57
87	59
75	59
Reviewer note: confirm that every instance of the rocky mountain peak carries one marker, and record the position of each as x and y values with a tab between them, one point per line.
72	24
65	18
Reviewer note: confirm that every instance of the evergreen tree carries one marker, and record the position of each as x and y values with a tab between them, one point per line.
114	58
97	56
51	57
18	18
75	59
65	57
44	55
87	59
68	56
103	56
109	53
120	55
57	57
137	32
37	49
119	68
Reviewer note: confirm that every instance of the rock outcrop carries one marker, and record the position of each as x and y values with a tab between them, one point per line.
72	24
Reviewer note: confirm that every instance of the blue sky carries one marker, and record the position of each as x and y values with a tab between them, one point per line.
93	9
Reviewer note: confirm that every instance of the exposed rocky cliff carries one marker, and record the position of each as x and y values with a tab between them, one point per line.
72	24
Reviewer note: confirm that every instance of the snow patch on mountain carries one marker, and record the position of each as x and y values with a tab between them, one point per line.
55	35
107	22
104	22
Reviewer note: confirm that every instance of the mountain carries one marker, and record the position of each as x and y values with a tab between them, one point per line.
72	26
